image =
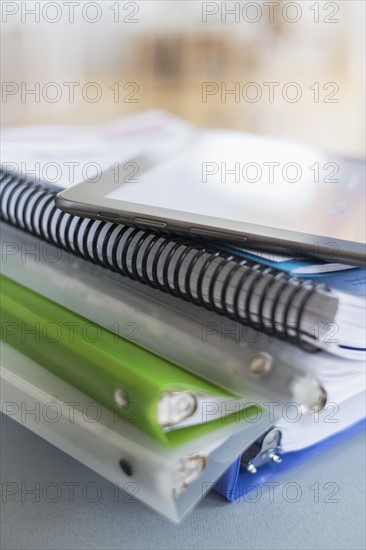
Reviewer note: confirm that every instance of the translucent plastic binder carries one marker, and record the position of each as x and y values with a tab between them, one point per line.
241	360
171	481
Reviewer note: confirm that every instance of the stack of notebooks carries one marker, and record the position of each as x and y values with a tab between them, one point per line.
170	366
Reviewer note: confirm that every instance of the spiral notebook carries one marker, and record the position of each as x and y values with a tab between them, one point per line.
267	299
245	289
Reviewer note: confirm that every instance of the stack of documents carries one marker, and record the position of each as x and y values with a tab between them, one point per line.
169	399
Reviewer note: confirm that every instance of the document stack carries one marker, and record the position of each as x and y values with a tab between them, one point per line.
171	366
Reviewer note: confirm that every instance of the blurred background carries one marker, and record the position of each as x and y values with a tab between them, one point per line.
295	69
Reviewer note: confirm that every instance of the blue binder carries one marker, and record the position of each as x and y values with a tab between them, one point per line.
238	481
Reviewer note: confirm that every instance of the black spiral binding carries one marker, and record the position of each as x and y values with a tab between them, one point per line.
173	259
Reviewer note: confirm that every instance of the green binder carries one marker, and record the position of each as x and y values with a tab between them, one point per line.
152	393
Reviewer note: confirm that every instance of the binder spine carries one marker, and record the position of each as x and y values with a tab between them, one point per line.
174	265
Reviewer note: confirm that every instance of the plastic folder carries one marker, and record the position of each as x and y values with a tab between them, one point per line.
210	346
238	481
148	391
171	481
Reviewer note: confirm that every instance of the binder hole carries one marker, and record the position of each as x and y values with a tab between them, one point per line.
120	397
126	467
261	364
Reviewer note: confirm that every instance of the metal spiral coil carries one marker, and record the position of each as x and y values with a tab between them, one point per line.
169	263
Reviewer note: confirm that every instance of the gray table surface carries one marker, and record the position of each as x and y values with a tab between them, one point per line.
329	513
